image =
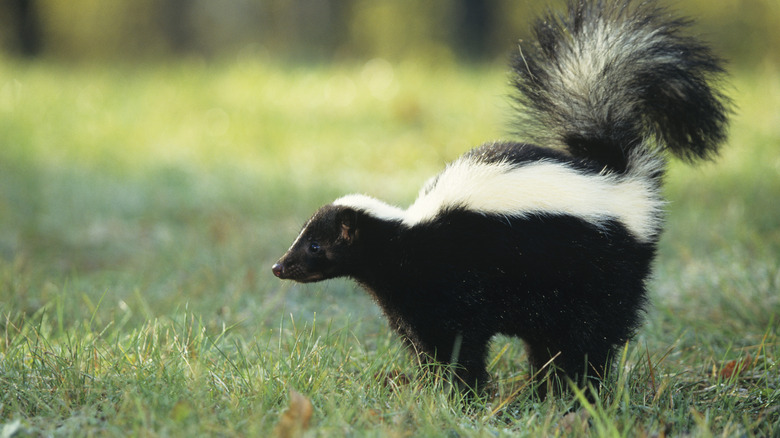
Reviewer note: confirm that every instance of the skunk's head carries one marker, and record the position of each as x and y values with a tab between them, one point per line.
324	248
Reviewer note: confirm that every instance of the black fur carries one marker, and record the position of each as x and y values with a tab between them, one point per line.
571	288
555	281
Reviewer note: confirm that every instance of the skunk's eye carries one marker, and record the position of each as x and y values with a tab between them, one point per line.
314	247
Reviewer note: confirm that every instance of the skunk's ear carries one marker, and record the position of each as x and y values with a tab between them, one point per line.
347	220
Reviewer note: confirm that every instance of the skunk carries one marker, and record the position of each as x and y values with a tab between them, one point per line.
552	239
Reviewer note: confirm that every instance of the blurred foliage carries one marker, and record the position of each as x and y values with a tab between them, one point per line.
744	31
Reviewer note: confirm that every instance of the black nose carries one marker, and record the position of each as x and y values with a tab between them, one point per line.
278	269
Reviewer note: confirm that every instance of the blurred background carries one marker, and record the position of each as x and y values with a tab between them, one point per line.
744	31
157	156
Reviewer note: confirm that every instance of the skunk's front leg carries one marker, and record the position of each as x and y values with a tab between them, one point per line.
466	355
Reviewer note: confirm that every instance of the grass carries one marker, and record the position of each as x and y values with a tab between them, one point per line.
141	208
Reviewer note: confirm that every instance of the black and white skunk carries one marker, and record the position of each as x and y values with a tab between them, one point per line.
550	241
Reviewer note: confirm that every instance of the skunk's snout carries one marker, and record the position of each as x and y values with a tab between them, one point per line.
278	270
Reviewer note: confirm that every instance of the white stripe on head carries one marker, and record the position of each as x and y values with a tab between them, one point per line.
300	235
372	206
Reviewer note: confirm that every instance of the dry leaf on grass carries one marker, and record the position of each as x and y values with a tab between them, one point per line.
295	420
736	367
576	421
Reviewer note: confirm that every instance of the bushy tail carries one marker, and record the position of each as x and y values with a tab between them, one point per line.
615	79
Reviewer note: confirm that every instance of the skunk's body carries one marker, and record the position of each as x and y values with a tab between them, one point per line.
551	243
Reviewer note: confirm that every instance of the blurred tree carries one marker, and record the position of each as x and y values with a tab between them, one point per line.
310	27
176	24
26	27
473	27
743	31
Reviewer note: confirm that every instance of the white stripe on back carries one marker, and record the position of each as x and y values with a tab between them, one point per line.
541	187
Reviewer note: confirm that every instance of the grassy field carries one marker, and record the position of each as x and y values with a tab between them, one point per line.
142	206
